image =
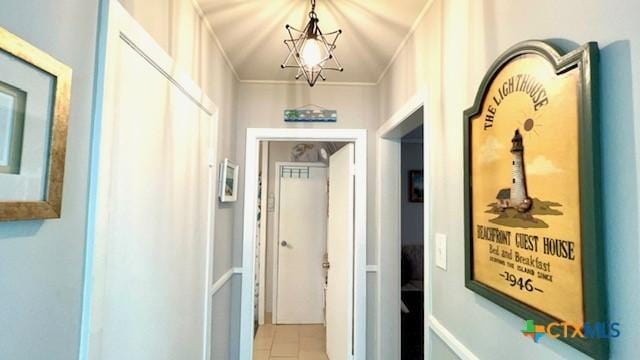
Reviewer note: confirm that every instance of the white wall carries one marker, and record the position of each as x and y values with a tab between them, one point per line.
262	106
41	262
177	26
452	48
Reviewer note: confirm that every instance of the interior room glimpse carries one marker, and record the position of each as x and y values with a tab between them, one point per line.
293	227
412	240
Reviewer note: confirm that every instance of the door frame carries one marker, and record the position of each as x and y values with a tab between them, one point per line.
358	309
276	230
388	196
116	26
262	271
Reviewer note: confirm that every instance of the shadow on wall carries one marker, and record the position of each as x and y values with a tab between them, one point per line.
20	229
620	187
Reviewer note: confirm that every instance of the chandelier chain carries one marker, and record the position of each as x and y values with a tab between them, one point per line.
312	14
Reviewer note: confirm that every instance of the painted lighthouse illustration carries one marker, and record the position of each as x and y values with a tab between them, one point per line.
516	197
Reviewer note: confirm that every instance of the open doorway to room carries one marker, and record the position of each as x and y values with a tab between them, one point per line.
404	194
412	241
304	244
292	248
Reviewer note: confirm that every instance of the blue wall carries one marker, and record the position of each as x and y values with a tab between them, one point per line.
42	262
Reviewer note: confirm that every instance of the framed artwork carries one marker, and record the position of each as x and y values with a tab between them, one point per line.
311	115
228	191
533	233
416	186
35	92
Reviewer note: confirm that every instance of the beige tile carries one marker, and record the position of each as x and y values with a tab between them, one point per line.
261	355
262	343
286	334
311	331
266	330
312	355
284	349
287	328
312	344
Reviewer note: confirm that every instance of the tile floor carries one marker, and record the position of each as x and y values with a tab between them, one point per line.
290	342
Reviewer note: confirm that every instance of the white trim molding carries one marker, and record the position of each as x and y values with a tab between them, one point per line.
456	345
223	280
393	58
254	136
404	41
302	82
204	19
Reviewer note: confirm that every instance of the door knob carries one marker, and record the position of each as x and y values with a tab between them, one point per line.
284	243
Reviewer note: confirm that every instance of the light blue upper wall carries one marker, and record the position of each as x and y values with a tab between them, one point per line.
42	262
450	52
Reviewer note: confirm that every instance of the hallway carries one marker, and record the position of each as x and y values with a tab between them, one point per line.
291	342
167	188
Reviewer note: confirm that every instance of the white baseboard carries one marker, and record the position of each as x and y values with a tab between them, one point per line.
458	347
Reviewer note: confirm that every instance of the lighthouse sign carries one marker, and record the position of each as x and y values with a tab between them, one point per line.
531	190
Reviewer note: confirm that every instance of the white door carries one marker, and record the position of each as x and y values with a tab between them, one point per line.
340	250
154	208
301	244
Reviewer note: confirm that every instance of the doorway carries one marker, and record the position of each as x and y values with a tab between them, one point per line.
404	301
297	278
412	245
346	292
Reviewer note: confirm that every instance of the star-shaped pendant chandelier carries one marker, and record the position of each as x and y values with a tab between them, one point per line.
311	51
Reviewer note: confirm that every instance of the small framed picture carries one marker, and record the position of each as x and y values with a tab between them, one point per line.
416	186
228	191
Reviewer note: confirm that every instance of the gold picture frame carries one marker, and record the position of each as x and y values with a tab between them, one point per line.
50	206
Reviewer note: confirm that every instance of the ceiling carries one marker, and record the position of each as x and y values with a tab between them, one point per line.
252	32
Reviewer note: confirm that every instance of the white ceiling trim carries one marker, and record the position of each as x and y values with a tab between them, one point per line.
401	46
215	38
300	82
421	15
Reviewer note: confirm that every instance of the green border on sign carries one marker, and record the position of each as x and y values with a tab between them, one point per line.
586	59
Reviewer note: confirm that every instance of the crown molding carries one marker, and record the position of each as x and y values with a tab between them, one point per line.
202	15
402	44
393	59
301	82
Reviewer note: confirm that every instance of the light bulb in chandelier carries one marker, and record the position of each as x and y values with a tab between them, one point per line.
312	54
